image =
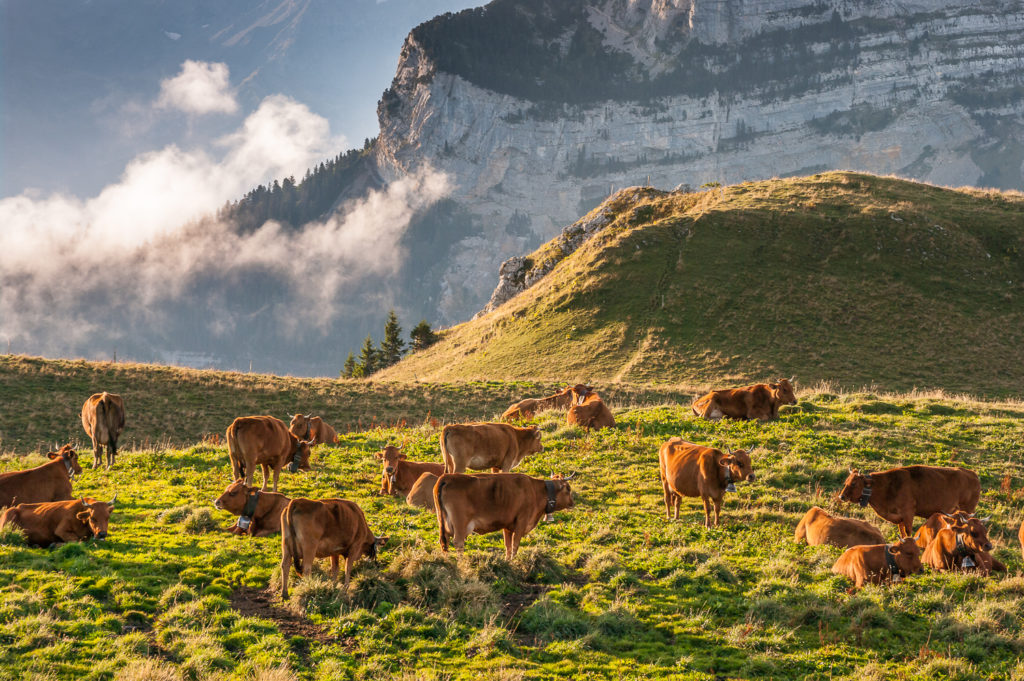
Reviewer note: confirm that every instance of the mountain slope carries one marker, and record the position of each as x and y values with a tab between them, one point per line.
842	276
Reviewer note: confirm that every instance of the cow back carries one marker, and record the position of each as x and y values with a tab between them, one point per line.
422	493
260	440
819	527
933	489
683	466
103	416
481	446
48	482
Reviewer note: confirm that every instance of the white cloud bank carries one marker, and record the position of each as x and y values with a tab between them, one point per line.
200	88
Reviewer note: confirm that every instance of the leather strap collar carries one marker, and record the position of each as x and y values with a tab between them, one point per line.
296	457
250	503
552	490
890	561
67	464
865	496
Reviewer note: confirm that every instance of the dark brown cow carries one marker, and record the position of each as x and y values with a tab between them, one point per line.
689	470
54	522
899	494
399	474
49	482
531	406
266	442
329	528
103	419
881	563
588	410
480	446
961	543
422	493
312	429
259	513
819	527
488	502
760	401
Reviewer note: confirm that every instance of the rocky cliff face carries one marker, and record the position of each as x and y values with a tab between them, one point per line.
690	92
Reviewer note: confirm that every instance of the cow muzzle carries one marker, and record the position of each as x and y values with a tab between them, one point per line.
752	477
100	535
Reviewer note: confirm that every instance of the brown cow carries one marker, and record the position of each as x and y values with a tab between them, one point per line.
689	470
399	474
961	543
899	494
528	408
54	522
880	563
488	502
313	429
103	419
259	513
588	410
760	401
329	528
819	527
264	441
1020	538
422	493
479	446
49	482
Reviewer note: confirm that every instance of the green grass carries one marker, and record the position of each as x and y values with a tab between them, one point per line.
610	590
844	277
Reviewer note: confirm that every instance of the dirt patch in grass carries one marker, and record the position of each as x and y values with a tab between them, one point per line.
253	602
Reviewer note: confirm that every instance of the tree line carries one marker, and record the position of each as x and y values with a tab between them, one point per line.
391	349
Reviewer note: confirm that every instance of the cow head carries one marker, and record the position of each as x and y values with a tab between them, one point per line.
740	467
532	445
234	497
299	459
972	532
70	459
390	456
783	391
853	488
580	392
299	425
563	492
907	555
562	398
372	548
97	516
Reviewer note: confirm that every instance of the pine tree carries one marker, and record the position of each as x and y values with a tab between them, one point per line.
367	359
392	347
350	366
422	336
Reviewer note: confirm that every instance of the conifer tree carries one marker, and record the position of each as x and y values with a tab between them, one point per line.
350	366
392	347
422	336
367	359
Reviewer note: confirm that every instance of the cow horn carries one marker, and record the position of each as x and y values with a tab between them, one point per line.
571	475
308	416
86	503
728	450
111	502
986	519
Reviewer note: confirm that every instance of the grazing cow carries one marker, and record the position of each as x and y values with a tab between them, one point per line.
760	401
266	442
588	410
330	528
259	513
313	429
689	470
899	494
399	474
49	482
488	502
528	408
819	527
103	419
54	522
479	446
879	563
422	493
961	543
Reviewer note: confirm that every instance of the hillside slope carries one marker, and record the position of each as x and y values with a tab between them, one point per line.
847	277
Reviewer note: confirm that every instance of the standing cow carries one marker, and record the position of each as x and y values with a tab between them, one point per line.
899	494
689	470
313	429
760	401
266	442
103	419
480	446
588	410
49	482
54	522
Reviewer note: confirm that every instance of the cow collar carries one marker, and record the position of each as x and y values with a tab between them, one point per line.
865	496
894	568
552	490
67	464
293	467
250	503
307	430
961	551
393	479
730	486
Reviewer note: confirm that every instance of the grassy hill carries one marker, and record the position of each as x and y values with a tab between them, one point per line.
844	277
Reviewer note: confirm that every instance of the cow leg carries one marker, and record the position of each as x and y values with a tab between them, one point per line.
668	499
286	567
495	469
676	500
350	560
66	532
250	473
517	534
111	453
707	512
906	527
266	477
508	543
718	508
308	558
97	456
334	568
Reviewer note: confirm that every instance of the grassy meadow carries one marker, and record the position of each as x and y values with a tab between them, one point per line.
610	590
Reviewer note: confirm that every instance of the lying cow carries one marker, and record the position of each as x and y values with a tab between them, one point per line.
259	513
266	442
760	401
819	527
497	446
689	470
103	419
899	494
484	503
960	544
54	522
588	410
422	493
400	474
49	482
313	429
330	528
880	563
531	406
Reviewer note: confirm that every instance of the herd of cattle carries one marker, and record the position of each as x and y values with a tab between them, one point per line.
40	501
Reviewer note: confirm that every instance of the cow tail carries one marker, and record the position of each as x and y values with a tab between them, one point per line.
445	454
439	505
288	537
235	454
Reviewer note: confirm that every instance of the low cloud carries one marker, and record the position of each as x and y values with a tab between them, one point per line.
200	88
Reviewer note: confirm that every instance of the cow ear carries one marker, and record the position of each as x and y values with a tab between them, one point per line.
378	455
52	455
83	516
893	548
401	455
380	541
